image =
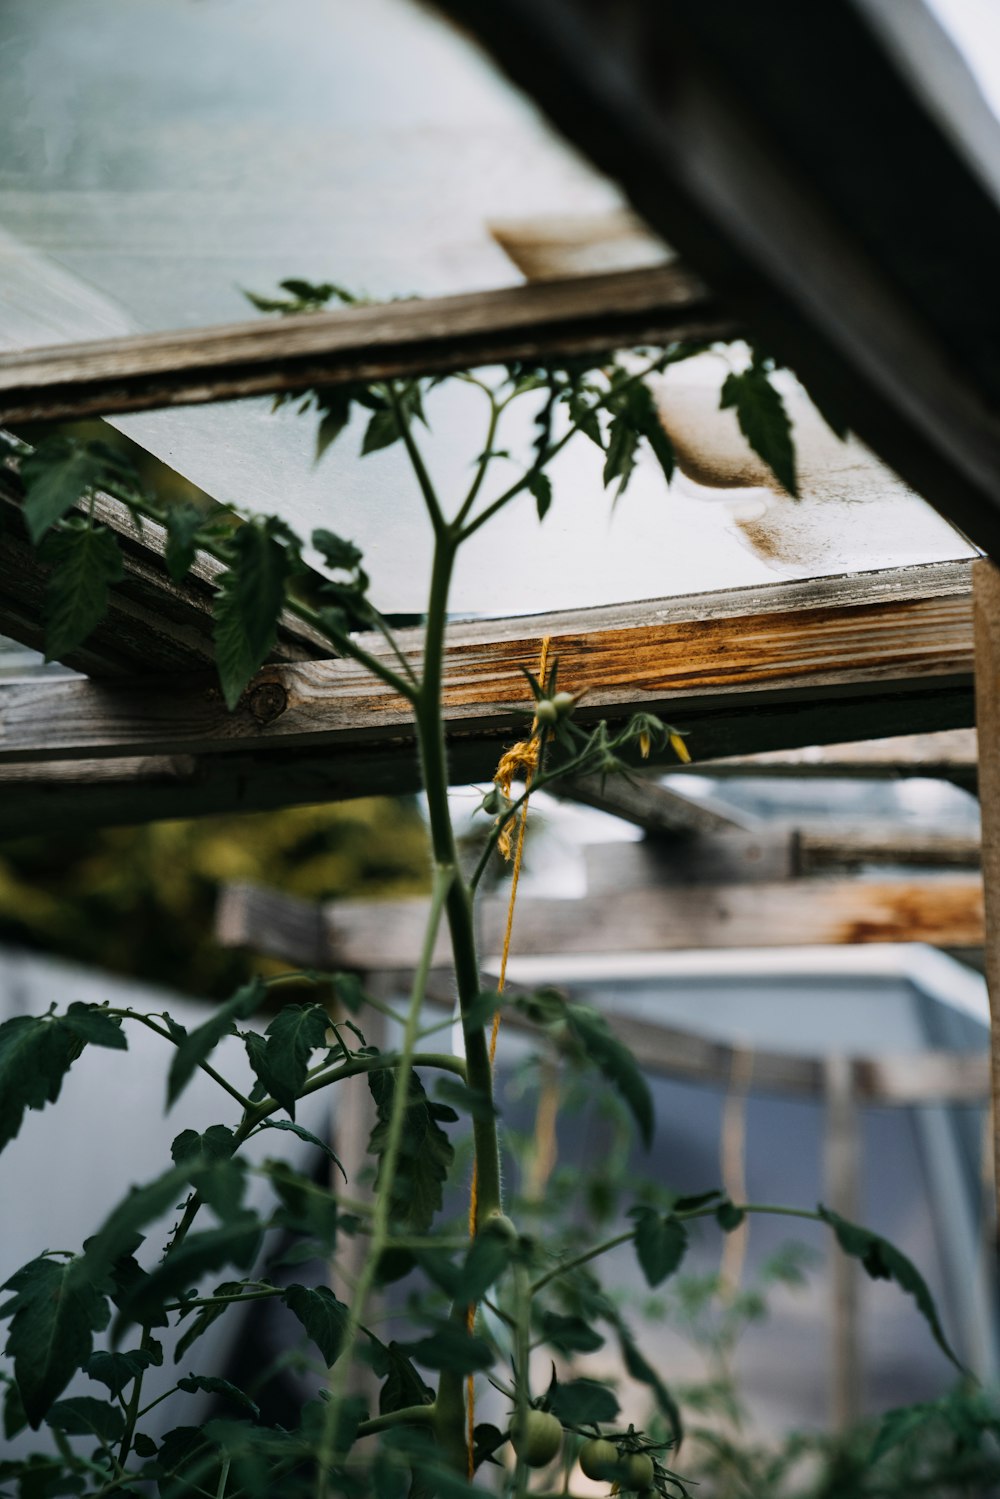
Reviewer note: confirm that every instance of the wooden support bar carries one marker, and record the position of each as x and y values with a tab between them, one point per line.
842	1192
986	608
580	315
943	910
951	755
648	805
284	927
770	854
798	645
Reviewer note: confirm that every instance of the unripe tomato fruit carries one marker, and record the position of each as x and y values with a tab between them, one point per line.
546	710
539	1440
639	1470
563	702
599	1459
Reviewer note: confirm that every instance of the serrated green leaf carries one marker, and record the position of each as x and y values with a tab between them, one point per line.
35	1055
308	1136
592	1033
382	431
85	561
211	1384
94	1026
883	1261
568	1335
322	1315
763	421
183	524
425	1153
898	1426
56	1311
336	408
451	1346
199	1044
472	1101
117	1370
57	474
403	1386
582	1402
306	1207
84	1415
540	488
206	1315
281	1059
336	552
247	607
216	1143
619	462
660	1243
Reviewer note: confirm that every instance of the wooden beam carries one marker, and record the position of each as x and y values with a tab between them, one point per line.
986	598
790	649
772	853
951	755
152	624
646	804
578	316
728	137
285	927
941	910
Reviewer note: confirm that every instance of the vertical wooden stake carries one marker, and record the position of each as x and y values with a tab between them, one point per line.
841	1169
986	616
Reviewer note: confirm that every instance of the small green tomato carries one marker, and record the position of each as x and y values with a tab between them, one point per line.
539	1440
639	1471
564	703
599	1459
546	710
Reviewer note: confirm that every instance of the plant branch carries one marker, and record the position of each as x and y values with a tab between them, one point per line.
161	1030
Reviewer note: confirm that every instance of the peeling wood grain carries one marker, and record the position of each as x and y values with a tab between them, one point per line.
580	315
676	657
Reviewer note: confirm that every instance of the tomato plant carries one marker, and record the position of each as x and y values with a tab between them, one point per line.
489	1299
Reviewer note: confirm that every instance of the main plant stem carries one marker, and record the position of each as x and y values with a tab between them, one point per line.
450	1405
444	878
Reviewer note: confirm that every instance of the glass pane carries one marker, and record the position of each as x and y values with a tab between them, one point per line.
157	159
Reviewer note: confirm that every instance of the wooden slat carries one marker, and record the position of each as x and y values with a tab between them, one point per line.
942	910
648	805
293	930
152	624
950	755
986	597
580	315
786	647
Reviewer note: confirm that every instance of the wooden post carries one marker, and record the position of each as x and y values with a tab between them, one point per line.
986	625
841	1171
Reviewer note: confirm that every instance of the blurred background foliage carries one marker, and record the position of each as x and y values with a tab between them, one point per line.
141	901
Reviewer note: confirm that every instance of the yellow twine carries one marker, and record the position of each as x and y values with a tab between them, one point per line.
520	760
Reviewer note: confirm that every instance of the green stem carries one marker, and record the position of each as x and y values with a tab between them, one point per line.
132	1411
205	1066
703	1212
408	1415
444	877
417	464
430	736
484	461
